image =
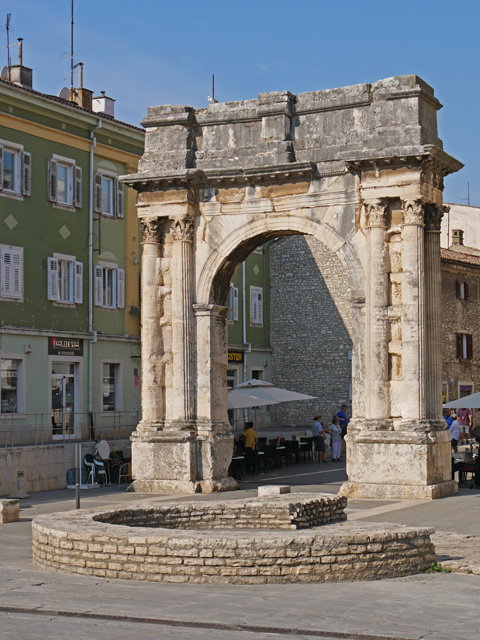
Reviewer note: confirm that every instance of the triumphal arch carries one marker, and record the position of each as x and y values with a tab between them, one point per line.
361	169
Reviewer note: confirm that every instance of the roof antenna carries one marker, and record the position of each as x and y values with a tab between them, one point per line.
71	53
9	62
211	98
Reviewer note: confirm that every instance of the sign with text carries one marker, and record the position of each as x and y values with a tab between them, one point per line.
235	356
65	347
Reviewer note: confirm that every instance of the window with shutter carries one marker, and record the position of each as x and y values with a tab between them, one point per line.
53	289
12	181
27	173
120	289
235	304
98	288
120	201
52	180
11	272
256	306
78	282
461	288
98	193
109	195
78	187
464	346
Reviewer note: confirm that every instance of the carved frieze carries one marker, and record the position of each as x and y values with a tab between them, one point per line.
432	174
182	229
151	230
413	212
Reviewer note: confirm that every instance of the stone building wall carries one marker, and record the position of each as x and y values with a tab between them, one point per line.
310	329
460	316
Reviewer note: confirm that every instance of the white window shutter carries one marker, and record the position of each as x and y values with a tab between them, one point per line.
78	297
1	168
17	275
26	173
53	289
98	288
120	200
77	193
97	199
256	306
121	288
52	180
6	272
260	307
235	304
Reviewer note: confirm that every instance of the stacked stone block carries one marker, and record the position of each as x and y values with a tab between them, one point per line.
88	543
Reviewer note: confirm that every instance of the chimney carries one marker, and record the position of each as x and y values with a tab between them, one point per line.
83	97
104	104
18	73
457	236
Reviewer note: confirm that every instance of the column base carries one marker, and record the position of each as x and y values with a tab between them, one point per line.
398	492
184	457
391	464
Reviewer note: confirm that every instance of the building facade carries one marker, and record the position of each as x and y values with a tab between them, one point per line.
248	326
70	261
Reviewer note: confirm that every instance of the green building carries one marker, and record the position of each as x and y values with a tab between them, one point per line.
69	268
249	350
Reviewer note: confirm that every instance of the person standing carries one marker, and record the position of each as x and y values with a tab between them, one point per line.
455	431
465	421
318	433
250	440
342	416
336	435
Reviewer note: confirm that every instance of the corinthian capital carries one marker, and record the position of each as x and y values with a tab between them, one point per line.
182	228
151	233
433	216
376	212
413	211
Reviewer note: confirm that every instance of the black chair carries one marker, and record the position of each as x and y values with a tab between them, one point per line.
308	440
293	449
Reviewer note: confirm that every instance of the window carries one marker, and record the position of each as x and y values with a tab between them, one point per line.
464	346
233	304
65	279
15	169
256	306
109	286
64	182
10	394
111	387
109	196
11	273
461	290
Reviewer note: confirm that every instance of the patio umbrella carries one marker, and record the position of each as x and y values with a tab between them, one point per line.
266	391
239	400
467	402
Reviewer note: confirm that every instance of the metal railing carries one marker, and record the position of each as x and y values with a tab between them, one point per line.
34	429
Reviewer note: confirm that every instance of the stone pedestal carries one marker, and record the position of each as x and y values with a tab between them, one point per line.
405	464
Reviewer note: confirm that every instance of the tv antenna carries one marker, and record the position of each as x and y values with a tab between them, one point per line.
71	51
468	194
211	98
7	26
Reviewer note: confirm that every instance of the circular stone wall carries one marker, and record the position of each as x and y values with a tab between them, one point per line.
86	542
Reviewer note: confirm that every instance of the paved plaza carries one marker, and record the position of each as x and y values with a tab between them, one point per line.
41	604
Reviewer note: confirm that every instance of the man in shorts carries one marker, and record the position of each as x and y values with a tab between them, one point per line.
318	433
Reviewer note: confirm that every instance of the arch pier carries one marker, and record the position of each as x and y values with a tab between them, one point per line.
361	169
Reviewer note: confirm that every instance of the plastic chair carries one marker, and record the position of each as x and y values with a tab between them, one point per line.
89	462
101	470
125	472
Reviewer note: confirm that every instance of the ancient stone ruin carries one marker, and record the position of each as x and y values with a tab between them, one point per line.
359	168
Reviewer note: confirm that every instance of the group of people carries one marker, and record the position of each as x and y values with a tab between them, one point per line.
336	431
459	424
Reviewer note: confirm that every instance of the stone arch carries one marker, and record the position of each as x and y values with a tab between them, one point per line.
361	168
238	243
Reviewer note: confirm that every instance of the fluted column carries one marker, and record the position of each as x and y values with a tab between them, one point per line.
433	289
376	351
183	405
153	382
413	311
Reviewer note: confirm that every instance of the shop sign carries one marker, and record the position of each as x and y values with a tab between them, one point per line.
65	347
235	356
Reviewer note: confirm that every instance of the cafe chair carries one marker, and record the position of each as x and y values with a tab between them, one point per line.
89	462
125	472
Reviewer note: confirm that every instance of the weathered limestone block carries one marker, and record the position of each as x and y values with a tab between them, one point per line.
9	511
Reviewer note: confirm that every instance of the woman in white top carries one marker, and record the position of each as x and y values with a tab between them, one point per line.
336	435
455	431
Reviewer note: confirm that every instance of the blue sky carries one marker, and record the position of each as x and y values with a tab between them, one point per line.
164	52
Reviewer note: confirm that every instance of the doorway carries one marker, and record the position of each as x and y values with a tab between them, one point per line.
63	399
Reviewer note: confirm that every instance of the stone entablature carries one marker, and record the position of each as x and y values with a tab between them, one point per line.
360	169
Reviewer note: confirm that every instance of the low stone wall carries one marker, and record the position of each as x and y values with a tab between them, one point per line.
279	512
86	542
